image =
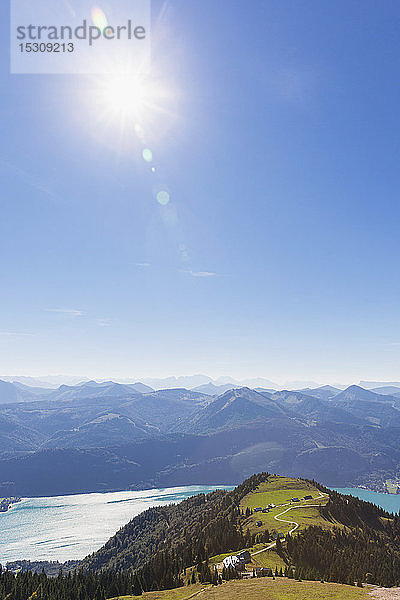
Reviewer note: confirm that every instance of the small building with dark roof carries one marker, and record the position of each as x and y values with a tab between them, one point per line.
245	555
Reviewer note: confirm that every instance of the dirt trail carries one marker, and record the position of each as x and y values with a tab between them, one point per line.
294	506
291	507
385	593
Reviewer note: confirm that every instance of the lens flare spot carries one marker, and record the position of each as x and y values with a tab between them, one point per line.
99	18
163	197
139	131
147	155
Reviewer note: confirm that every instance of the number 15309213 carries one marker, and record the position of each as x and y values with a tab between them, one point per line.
46	47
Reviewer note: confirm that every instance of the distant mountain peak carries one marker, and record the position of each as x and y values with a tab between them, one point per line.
356	390
357	393
234	408
354	387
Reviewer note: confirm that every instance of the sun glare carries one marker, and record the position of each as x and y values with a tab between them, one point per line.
131	100
125	96
131	108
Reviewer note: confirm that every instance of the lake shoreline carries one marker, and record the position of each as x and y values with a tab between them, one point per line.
389	502
70	527
6	504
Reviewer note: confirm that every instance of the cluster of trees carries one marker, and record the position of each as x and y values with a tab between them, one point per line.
230	573
366	549
77	585
206	574
259	538
353	512
344	556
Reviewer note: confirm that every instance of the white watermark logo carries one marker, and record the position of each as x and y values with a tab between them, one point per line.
67	36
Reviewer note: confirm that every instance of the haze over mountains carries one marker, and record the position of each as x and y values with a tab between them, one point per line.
199	382
103	436
189	382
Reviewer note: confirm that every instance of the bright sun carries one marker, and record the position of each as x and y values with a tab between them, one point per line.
132	102
125	96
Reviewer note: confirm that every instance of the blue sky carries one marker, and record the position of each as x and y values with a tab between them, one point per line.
276	134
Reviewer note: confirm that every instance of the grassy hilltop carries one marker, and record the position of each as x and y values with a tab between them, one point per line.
261	589
279	491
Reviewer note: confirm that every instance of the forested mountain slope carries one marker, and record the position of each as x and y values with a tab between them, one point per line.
350	537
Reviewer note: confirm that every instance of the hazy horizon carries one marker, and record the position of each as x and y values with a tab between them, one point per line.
192	381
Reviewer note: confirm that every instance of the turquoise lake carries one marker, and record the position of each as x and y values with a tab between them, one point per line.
390	502
71	527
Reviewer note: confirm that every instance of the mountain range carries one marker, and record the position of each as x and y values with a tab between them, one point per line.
113	436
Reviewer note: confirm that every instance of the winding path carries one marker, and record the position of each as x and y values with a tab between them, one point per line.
271	545
296	525
293	506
